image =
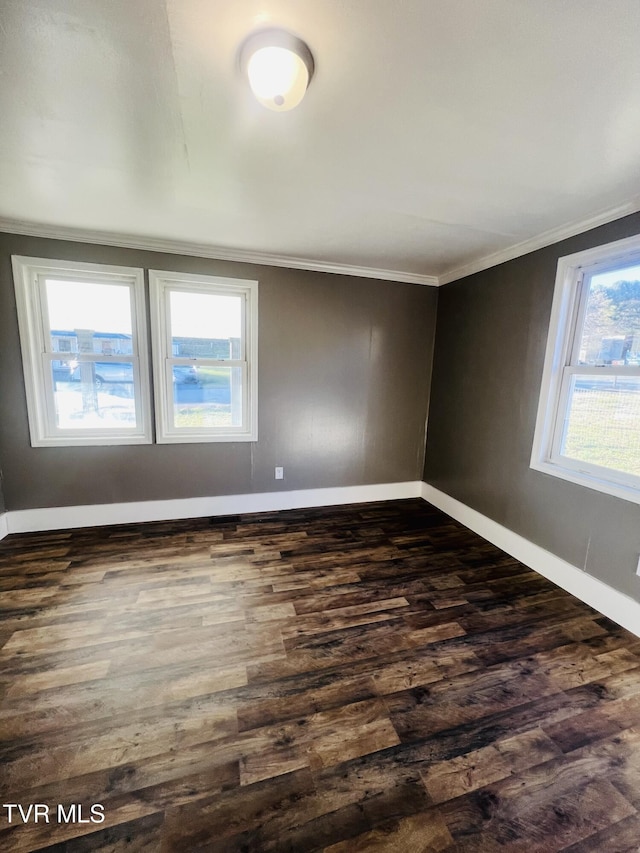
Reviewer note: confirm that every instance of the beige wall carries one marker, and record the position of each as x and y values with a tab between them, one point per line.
490	345
344	373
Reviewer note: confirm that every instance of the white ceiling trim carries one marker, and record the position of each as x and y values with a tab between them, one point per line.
547	238
203	250
245	256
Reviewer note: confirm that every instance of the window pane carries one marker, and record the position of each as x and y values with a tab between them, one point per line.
603	422
93	395
611	331
89	317
205	325
214	399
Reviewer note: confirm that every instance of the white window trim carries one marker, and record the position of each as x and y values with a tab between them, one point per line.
557	369
38	382
159	282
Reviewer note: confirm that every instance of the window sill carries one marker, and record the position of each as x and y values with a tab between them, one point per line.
204	438
590	481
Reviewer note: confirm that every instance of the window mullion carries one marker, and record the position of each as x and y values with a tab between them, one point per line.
604	369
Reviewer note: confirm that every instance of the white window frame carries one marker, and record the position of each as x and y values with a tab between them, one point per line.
565	331
161	284
37	352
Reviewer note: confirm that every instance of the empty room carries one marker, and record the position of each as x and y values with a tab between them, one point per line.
319	426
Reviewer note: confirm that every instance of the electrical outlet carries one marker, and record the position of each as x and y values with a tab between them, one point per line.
279	473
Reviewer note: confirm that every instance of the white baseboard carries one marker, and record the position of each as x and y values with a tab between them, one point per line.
603	598
612	603
60	518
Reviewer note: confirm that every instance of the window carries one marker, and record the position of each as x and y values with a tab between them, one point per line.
85	354
588	426
79	391
204	333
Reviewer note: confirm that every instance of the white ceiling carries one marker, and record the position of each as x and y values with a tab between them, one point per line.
437	136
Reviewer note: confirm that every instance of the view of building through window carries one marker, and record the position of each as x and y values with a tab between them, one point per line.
92	376
87	318
90	319
206	327
101	392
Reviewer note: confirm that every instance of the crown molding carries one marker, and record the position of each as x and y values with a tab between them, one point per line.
546	238
246	256
204	250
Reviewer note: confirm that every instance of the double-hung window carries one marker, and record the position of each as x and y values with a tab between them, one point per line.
204	333
86	356
84	352
588	426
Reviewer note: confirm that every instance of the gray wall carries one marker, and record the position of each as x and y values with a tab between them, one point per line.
344	369
490	344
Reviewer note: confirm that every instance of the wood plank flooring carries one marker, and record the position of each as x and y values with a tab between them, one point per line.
363	678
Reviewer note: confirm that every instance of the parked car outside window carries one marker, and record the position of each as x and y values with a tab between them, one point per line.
112	372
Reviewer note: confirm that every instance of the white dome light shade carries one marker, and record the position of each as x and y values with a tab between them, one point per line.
279	67
278	77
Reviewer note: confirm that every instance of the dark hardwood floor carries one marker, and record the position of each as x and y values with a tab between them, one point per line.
361	678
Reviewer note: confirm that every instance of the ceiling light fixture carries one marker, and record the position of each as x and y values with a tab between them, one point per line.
279	67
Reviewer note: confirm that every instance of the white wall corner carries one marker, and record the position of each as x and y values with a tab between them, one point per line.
4	524
605	599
